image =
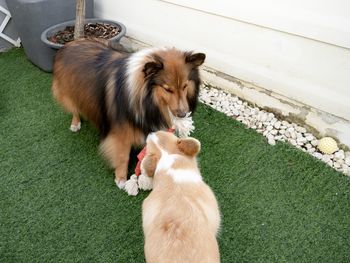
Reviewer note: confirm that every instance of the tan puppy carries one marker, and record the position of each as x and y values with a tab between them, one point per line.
180	216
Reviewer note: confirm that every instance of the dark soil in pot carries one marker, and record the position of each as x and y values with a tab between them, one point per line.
91	30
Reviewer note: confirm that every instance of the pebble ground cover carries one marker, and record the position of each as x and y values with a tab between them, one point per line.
272	128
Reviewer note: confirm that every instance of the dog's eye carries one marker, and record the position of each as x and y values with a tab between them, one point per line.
167	89
184	87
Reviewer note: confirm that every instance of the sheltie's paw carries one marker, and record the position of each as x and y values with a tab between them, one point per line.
120	183
75	128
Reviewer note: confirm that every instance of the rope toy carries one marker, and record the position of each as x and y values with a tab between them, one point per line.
182	127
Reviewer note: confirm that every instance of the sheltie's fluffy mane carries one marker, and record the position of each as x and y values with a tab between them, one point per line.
132	89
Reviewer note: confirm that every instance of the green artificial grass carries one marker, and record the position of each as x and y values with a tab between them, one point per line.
59	203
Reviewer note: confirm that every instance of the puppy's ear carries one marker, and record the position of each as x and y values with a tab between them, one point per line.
152	68
189	146
196	59
149	165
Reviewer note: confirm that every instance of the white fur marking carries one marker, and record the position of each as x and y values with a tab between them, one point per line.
152	137
120	184
185	176
75	128
166	161
135	64
136	60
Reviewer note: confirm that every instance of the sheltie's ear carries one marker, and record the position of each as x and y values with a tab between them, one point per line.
196	59
189	146
152	68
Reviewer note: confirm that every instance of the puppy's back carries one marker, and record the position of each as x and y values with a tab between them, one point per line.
180	223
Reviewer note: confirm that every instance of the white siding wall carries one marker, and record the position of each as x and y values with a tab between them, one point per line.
299	49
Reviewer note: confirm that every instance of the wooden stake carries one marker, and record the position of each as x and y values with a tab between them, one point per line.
79	19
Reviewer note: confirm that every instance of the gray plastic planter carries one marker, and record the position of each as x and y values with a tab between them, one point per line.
52	30
32	17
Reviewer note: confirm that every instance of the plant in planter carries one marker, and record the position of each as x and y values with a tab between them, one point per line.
56	36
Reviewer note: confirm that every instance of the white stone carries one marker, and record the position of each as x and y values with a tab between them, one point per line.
270	137
308	146
263	117
301	140
314	142
340	161
273	121
293	135
237	106
270	116
271	142
274	132
225	103
311	150
277	124
269	128
309	137
247	112
285	123
347	160
318	155
293	142
235	112
336	165
345	168
339	155
300	129
326	158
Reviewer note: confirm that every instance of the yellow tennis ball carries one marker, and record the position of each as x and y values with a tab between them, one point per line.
327	145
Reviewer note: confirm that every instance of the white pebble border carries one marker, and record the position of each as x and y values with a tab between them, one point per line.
269	126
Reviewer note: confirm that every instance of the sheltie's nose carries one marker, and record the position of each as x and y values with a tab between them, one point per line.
181	114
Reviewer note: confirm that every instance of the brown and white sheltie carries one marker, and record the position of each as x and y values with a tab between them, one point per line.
180	216
126	96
